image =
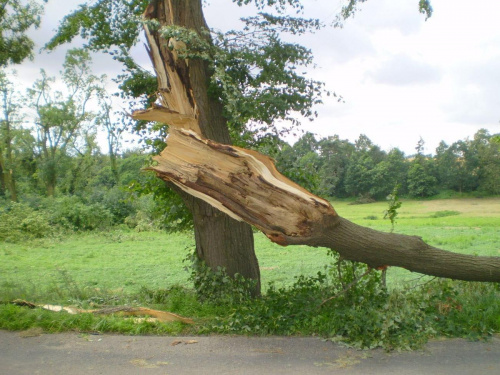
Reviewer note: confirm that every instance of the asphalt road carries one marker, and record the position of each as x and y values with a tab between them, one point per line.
70	353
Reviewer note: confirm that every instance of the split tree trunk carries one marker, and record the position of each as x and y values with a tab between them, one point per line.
183	93
247	186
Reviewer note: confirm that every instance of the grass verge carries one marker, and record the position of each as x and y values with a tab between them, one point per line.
124	267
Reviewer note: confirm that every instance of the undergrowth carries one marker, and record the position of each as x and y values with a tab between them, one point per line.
343	303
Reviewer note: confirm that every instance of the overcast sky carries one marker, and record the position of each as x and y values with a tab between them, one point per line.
401	77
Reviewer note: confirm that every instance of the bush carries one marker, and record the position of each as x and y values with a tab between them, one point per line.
72	213
348	304
19	222
363	199
115	200
444	213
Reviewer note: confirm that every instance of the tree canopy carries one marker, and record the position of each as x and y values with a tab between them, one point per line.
16	18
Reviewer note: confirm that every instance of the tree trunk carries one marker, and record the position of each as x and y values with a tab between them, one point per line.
183	93
247	186
7	163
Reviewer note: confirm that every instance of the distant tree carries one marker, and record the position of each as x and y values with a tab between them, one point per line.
360	173
389	173
447	166
62	118
113	128
301	162
335	156
421	180
488	156
9	125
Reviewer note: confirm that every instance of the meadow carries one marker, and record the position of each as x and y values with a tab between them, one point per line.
123	267
125	260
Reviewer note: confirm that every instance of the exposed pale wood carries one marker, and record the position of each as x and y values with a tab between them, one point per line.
178	105
243	184
246	186
164	115
162	316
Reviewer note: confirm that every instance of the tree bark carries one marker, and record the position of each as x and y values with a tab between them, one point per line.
7	163
247	186
183	94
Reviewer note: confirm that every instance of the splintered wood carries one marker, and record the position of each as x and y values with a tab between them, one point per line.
242	183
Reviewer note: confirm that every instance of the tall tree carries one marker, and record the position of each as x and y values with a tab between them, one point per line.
10	105
221	241
113	132
421	181
61	117
16	18
219	86
336	155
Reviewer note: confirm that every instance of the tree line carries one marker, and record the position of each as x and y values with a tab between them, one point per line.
54	151
335	167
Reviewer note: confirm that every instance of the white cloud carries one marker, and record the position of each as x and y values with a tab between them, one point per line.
476	98
401	70
402	77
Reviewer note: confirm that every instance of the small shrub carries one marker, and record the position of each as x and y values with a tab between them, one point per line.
216	285
141	222
445	213
19	222
72	213
363	199
116	201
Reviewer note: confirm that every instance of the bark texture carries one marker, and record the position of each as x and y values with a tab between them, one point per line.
245	185
184	102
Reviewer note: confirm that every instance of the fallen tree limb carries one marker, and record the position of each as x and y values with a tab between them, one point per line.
162	316
246	185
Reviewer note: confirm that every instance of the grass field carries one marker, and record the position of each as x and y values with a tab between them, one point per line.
123	260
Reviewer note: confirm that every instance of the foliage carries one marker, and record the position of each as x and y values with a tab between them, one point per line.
16	18
19	222
73	214
464	309
63	123
397	320
366	315
103	23
352	6
217	286
394	205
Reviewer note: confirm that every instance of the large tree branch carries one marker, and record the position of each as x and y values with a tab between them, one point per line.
246	185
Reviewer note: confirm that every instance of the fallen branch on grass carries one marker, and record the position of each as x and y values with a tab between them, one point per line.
161	316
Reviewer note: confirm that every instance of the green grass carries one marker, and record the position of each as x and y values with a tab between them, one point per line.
125	261
474	227
123	267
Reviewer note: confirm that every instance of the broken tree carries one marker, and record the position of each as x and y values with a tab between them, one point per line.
246	186
221	241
